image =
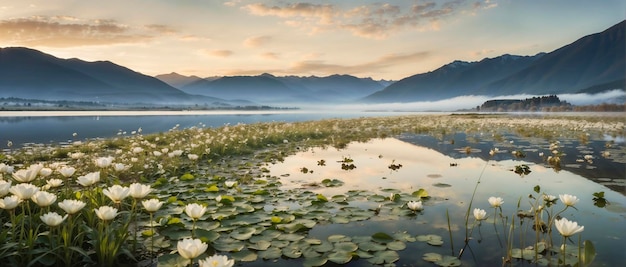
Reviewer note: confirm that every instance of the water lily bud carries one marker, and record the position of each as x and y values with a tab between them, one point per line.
195	210
106	213
43	198
480	214
495	201
52	219
152	205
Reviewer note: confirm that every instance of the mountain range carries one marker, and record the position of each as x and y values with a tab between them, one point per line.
591	64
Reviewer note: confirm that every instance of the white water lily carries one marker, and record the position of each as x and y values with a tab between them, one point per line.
103	162
88	179
152	205
118	167
71	206
195	210
43	198
106	213
54	183
27	175
192	156
67	171
568	228
116	193
480	214
52	219
45	172
230	184
139	191
495	201
4	187
216	261
415	205
10	202
191	248
549	198
24	191
568	200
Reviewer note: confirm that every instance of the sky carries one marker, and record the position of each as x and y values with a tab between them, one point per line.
378	39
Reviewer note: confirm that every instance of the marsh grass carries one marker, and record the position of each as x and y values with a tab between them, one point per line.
232	153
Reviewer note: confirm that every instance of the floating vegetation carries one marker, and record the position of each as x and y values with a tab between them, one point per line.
214	187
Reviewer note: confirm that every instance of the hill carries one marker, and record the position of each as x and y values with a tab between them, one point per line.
596	61
30	74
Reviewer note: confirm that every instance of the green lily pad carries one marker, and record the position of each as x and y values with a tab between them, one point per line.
421	193
271	253
449	261
340	257
206	236
371	246
314	262
339	219
381	237
245	256
260	245
396	245
339	238
292	252
325	246
173	260
290	237
346	246
243	233
432	257
386	256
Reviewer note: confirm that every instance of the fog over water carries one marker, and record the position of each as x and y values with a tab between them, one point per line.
471	101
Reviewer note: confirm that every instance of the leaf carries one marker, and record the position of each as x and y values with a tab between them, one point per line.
537	189
589	253
381	237
340	257
173	260
449	261
432	257
396	245
245	256
387	256
421	193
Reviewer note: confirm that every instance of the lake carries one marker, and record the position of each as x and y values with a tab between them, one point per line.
53	127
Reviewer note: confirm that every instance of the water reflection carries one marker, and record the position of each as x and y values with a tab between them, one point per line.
427	168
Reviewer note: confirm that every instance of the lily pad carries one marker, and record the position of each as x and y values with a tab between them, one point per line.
271	253
381	237
314	262
346	246
245	256
260	245
243	233
292	252
421	193
432	257
396	245
387	256
340	257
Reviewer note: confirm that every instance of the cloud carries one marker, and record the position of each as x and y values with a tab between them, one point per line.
375	21
321	67
161	29
270	55
65	31
219	53
257	41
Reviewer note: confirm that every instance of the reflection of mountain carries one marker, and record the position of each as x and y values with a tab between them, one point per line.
593	63
601	167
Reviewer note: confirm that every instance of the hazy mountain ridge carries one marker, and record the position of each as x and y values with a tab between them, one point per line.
286	89
595	61
30	74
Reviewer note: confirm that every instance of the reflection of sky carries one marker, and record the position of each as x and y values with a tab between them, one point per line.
605	227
